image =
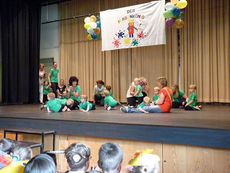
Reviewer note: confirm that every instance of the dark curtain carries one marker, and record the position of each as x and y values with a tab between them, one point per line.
20	22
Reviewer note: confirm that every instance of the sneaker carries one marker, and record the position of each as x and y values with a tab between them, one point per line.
109	108
123	109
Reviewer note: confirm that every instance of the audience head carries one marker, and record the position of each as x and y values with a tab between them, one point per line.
162	82
136	81
147	100
73	81
6	145
41	67
69	102
108	87
46	82
55	64
21	152
78	155
175	88
62	82
51	96
100	83
106	92
156	90
110	157
83	98
41	163
192	88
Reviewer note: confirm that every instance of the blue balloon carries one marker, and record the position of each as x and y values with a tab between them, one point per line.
98	24
94	36
175	11
90	30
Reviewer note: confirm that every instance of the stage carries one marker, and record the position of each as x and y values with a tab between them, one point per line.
209	127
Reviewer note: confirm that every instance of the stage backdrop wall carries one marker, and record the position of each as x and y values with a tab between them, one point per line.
118	68
204	51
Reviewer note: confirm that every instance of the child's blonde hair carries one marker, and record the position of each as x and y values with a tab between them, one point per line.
51	96
84	97
146	100
162	81
106	92
192	86
136	79
156	88
71	101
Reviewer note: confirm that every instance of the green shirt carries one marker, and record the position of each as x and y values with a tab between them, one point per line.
155	97
84	106
77	89
46	89
54	105
110	93
179	98
62	101
141	105
110	101
193	97
139	88
54	75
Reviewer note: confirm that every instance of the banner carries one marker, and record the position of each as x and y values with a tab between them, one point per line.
133	26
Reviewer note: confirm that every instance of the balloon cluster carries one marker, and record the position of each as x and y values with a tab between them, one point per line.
93	27
174	13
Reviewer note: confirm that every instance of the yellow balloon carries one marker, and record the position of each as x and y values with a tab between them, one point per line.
89	37
86	26
182	4
93	18
174	1
179	23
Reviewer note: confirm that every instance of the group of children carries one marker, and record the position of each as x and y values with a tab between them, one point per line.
78	158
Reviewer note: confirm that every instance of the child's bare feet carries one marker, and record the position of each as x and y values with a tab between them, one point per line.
64	109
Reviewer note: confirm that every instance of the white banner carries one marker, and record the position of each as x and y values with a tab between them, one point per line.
134	26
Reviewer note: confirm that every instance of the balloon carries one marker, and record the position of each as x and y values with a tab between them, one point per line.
182	4
87	20
97	30
94	36
174	1
87	26
98	24
98	18
93	25
179	23
169	6
93	18
89	37
175	11
90	31
168	14
170	21
181	16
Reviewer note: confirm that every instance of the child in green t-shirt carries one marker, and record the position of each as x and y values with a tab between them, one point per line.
156	93
46	90
179	98
109	101
138	91
85	105
192	100
108	87
146	102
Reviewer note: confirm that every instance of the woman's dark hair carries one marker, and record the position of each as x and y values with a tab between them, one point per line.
73	79
100	82
41	163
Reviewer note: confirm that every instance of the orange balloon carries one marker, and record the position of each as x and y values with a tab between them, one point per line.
93	18
97	30
179	23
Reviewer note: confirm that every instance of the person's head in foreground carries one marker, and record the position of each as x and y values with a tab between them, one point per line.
106	92
84	98
192	88
21	152
156	90
136	81
145	162
147	100
51	96
100	83
41	163
78	155
162	82
110	158
6	145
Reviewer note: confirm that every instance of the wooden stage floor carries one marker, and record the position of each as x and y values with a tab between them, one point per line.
209	127
211	116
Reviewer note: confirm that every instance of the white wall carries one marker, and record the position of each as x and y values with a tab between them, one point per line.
49	44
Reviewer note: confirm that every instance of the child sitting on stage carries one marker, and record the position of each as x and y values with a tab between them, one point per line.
156	93
108	87
191	104
138	91
146	102
109	101
98	93
46	90
78	155
85	105
61	90
56	105
110	158
179	98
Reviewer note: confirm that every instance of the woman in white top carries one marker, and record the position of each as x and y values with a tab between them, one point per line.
42	74
131	99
